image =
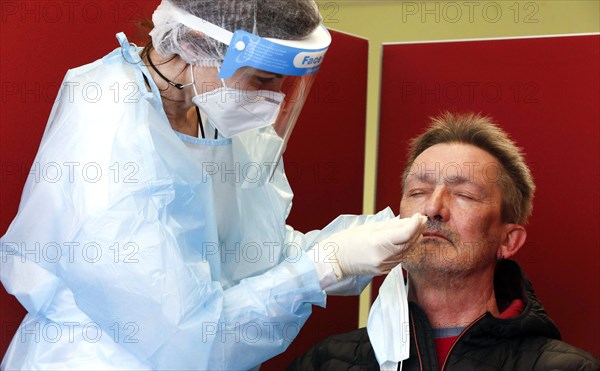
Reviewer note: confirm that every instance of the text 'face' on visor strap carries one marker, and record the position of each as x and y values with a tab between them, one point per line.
293	58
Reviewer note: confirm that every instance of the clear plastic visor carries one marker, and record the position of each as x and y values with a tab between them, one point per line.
273	103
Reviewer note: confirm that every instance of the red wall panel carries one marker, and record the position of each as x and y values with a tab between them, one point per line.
40	40
546	93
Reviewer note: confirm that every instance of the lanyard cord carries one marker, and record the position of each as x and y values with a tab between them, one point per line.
200	122
202	126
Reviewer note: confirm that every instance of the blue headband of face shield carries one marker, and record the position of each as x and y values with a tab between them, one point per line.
285	57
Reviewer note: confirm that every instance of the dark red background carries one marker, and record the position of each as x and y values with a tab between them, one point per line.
40	40
546	93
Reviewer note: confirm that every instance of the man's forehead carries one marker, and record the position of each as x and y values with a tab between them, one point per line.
453	155
449	177
454	163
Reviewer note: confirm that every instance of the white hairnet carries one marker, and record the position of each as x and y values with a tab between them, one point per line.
281	19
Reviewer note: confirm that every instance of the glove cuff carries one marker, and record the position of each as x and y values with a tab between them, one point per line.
328	273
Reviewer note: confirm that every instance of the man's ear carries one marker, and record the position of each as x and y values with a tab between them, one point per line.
514	237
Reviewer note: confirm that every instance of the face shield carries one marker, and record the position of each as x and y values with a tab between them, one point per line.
261	88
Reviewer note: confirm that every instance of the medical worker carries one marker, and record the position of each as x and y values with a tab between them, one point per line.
167	248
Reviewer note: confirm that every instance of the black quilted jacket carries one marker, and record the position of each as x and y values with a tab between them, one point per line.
530	341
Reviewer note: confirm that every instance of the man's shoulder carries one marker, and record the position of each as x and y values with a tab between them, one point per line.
339	352
558	355
533	352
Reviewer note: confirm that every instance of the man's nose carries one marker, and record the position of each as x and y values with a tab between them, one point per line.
436	205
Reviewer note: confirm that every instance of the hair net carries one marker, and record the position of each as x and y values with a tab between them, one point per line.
281	19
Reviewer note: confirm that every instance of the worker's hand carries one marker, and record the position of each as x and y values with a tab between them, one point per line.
371	249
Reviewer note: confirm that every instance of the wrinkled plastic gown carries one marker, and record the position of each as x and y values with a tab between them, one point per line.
128	253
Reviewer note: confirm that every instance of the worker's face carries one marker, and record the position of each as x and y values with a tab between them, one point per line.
248	78
456	186
245	78
295	89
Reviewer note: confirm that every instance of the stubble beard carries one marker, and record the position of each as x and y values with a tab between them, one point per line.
448	261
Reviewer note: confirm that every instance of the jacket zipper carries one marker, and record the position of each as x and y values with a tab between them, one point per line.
412	320
458	338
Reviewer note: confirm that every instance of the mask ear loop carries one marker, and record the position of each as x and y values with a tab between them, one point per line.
193	83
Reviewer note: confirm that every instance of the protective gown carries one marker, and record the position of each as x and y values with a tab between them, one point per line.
130	252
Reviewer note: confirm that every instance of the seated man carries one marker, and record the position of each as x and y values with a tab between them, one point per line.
470	307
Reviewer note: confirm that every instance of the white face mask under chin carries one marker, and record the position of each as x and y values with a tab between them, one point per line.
234	111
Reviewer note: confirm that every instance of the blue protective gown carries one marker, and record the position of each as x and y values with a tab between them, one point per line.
129	254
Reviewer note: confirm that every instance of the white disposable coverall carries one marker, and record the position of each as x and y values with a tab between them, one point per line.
127	254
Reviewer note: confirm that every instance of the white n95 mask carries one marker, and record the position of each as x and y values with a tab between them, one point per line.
234	111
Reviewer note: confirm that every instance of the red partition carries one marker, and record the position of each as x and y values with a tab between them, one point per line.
40	40
546	93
